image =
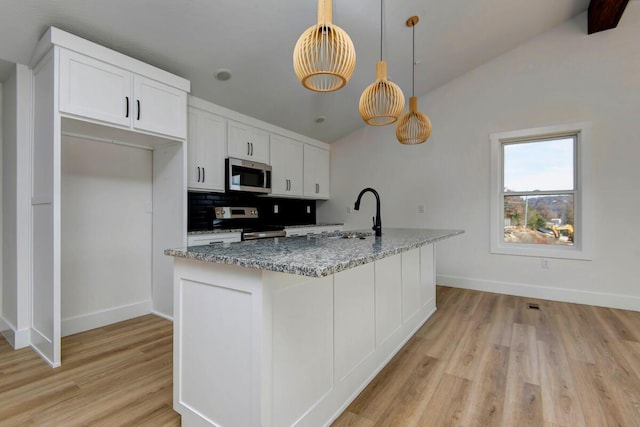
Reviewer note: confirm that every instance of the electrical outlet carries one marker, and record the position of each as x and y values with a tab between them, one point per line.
308	209
421	209
349	209
275	208
544	263
148	207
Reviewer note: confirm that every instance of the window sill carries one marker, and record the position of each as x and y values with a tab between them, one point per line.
523	249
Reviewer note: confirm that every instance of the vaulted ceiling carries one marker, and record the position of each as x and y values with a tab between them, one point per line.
255	40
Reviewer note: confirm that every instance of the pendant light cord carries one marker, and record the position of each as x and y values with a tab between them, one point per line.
413	63
381	30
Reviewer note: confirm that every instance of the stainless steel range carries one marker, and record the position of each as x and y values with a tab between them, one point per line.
248	219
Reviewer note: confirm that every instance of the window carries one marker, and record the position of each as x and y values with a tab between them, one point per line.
538	192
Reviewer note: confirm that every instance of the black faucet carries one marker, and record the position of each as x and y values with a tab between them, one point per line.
377	223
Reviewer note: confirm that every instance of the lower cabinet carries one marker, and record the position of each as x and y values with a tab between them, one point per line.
282	349
312	229
211	238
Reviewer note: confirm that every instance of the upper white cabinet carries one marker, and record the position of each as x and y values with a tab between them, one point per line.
93	89
316	172
247	142
286	163
206	150
159	108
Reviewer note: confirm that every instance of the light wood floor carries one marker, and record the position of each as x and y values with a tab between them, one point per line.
481	360
119	375
488	360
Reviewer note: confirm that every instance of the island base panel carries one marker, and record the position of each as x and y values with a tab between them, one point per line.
290	349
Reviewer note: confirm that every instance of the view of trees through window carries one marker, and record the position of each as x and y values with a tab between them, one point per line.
539	191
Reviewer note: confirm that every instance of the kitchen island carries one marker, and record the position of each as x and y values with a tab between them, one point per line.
288	331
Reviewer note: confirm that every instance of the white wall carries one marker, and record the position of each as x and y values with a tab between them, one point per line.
561	76
16	204
106	233
3	324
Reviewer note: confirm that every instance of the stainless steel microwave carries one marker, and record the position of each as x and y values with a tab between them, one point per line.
245	175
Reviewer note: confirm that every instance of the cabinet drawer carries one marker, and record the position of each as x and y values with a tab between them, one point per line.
209	239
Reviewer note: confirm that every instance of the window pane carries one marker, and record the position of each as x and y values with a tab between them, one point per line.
540	165
539	219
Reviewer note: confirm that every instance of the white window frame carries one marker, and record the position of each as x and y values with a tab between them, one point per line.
583	200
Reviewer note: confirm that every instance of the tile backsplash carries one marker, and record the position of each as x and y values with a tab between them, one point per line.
290	211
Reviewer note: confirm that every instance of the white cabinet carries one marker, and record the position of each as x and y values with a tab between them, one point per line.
206	150
211	238
247	142
313	229
159	108
323	229
286	161
298	231
96	90
316	172
282	349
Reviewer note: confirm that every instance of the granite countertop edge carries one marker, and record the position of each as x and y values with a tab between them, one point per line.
309	269
215	231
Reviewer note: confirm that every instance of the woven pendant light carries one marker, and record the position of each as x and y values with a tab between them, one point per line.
414	127
382	101
324	57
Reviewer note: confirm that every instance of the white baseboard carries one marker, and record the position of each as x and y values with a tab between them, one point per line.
97	319
16	338
601	299
163	315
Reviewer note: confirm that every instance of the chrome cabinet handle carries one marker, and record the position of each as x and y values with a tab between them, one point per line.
127	102
138	102
198	173
248	148
251	143
203	175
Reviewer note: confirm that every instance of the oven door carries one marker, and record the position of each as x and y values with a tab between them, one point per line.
248	176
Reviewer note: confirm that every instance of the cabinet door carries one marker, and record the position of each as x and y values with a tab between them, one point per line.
206	150
286	161
316	172
159	108
93	89
247	142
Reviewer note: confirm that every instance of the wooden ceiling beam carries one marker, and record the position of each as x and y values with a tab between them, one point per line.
605	14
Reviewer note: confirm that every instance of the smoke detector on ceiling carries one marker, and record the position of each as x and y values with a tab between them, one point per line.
223	74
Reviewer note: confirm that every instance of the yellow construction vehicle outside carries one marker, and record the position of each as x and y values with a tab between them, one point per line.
563	230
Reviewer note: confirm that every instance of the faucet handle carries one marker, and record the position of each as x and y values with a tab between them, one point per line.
373	218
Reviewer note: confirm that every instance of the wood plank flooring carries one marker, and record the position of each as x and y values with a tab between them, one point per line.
488	360
482	360
118	375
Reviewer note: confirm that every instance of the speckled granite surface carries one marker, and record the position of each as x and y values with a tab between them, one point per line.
320	224
216	231
314	256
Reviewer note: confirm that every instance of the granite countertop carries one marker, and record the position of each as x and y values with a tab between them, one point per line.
314	256
320	224
215	231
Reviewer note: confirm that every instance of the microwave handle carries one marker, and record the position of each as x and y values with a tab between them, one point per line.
267	179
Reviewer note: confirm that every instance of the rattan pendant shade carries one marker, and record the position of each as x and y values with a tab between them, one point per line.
324	56
414	127
382	101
